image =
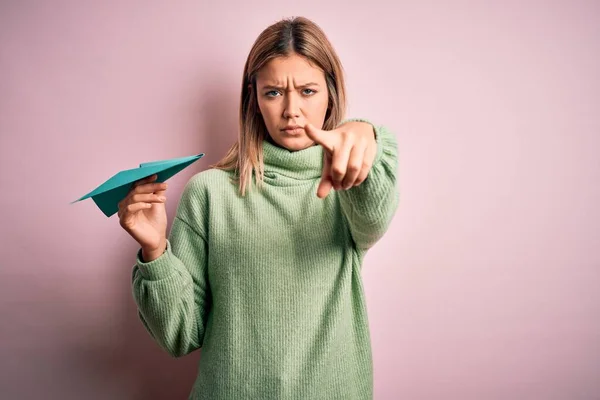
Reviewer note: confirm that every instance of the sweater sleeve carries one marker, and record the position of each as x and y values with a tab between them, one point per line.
370	206
172	292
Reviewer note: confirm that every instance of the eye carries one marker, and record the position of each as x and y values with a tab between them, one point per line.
309	94
268	94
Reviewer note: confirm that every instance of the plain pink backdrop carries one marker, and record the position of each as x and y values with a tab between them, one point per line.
486	285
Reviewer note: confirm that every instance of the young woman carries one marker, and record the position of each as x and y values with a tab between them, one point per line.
262	266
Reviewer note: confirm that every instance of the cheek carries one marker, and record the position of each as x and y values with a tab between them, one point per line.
267	109
317	105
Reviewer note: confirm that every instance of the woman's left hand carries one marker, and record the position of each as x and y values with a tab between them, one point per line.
349	154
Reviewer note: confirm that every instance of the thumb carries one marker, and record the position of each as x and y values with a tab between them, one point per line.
326	183
319	136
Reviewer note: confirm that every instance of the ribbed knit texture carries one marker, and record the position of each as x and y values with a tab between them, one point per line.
269	285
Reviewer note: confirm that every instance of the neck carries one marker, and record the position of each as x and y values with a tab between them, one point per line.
300	164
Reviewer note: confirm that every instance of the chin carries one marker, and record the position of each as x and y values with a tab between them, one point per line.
298	146
294	143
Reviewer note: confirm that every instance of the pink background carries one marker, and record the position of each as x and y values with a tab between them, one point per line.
487	283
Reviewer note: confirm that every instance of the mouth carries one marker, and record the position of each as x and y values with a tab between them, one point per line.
292	128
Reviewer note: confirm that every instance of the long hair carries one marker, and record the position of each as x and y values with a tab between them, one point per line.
291	35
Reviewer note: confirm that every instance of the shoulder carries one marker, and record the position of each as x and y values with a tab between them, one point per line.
210	178
198	188
197	193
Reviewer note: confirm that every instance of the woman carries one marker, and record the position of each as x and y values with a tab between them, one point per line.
262	265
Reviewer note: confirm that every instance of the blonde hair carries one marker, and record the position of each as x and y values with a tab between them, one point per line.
291	35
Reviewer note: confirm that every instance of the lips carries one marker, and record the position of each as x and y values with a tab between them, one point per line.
293	131
292	128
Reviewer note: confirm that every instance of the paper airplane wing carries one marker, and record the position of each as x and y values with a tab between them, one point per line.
108	195
153	163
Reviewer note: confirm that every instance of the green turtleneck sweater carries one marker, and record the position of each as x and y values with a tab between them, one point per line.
269	285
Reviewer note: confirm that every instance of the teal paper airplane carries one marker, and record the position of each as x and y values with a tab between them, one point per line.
108	195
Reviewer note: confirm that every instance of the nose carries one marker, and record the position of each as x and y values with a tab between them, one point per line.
291	107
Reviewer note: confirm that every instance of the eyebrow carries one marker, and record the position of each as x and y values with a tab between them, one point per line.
281	87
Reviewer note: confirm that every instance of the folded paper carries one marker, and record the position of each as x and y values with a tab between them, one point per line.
108	195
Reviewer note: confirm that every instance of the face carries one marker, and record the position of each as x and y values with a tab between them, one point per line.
291	92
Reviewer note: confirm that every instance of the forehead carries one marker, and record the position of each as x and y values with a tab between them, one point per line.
280	70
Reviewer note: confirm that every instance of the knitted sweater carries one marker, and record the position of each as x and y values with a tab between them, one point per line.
269	285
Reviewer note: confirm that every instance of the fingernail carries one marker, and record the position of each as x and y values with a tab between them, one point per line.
162	198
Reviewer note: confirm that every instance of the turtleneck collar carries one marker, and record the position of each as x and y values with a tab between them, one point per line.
301	164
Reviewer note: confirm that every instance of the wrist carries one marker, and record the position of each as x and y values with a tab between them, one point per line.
152	254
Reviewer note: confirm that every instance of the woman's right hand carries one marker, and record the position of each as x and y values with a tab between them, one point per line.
142	213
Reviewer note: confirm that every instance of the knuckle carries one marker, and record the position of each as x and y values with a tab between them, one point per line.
123	203
354	167
337	171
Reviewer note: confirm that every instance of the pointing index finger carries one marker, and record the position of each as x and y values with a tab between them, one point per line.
324	138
